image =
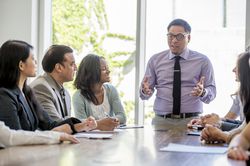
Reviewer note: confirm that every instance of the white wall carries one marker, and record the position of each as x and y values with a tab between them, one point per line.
27	20
18	20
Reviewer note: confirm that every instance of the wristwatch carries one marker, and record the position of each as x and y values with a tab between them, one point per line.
203	92
72	126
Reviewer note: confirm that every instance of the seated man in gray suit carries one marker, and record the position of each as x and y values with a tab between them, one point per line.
59	66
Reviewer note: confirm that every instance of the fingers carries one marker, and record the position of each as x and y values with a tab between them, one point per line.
206	134
145	86
73	139
202	80
198	89
212	119
114	121
90	123
91	118
194	91
207	116
237	154
67	137
189	125
107	124
117	121
145	80
196	121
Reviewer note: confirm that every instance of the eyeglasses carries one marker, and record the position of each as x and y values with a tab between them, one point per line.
179	36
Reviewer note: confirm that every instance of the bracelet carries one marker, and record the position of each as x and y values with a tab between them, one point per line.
72	128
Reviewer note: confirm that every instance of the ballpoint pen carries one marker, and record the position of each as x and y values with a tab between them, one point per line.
108	116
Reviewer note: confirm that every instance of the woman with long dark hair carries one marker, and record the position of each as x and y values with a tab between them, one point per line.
241	142
18	107
95	96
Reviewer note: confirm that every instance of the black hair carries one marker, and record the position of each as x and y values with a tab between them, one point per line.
54	55
180	22
88	74
244	78
11	53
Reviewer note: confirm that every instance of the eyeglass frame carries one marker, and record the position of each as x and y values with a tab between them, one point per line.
172	36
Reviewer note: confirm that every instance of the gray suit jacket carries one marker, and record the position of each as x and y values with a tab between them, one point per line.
48	95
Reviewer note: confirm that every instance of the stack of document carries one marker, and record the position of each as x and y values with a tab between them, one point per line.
193	149
95	134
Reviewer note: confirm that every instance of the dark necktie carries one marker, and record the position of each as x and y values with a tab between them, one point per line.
64	110
177	86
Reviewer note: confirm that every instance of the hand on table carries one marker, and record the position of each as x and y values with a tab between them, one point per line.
211	134
107	124
67	137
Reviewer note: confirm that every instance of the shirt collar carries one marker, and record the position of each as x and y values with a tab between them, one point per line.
57	85
183	55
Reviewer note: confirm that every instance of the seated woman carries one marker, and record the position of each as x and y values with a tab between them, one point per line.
241	142
10	137
211	133
94	96
19	108
228	122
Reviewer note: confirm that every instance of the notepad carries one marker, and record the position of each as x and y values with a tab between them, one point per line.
172	147
93	135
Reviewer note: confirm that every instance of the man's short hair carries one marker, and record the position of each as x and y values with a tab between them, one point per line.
54	55
180	22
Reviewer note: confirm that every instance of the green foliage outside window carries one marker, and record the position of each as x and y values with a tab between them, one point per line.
83	25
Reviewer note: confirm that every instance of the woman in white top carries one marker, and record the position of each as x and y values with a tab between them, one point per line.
9	137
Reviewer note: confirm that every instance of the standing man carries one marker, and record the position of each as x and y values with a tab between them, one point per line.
59	66
183	79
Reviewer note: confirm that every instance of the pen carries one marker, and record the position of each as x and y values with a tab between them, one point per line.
106	114
113	118
122	125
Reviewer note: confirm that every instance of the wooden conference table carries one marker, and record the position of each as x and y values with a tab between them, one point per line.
131	147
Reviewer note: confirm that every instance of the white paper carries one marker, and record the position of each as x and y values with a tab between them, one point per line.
193	149
93	135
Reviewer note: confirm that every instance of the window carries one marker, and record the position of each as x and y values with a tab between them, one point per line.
106	28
